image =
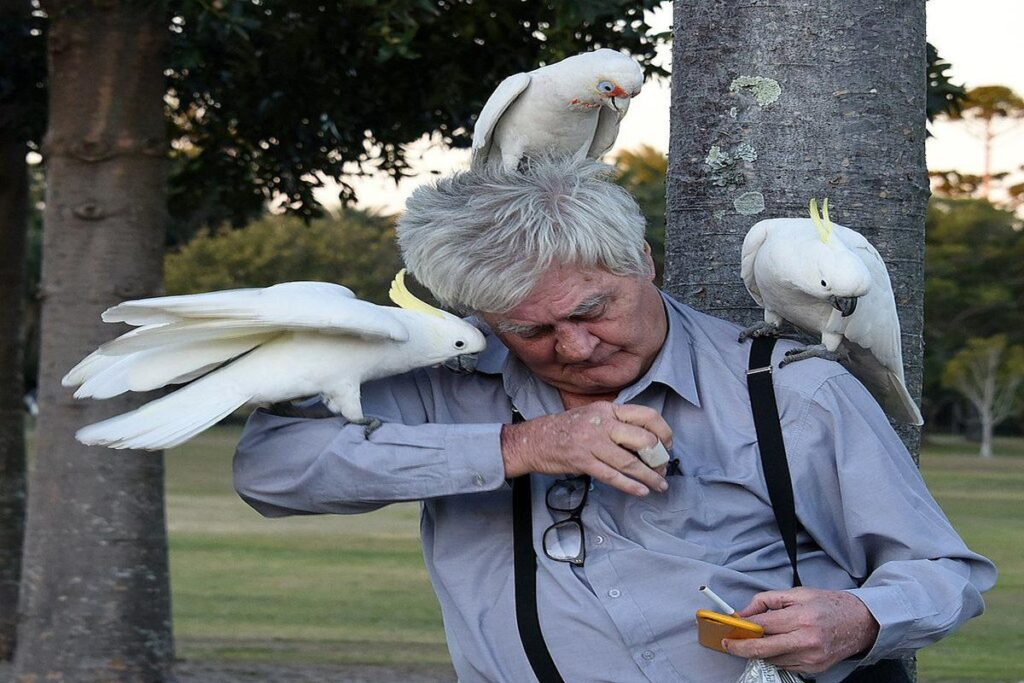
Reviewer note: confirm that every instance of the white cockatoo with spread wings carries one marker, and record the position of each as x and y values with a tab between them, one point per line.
572	107
260	346
828	280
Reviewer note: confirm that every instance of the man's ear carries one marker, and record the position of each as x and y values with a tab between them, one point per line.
650	260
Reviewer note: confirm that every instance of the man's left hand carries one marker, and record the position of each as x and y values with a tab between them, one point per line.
807	630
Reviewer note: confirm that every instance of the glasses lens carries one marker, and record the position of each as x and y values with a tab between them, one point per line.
564	541
568	494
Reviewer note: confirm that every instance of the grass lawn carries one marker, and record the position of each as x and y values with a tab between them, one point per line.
333	589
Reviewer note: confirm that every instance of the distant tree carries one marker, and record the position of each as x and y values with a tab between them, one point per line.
355	249
642	172
974	283
990	111
989	373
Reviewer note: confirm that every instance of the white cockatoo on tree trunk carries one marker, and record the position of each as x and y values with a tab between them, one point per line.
828	280
572	107
289	341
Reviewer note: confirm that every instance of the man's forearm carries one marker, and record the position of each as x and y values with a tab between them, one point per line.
291	465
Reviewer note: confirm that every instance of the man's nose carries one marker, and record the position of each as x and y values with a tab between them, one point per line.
574	344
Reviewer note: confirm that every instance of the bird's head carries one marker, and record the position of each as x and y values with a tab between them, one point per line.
609	79
835	273
444	335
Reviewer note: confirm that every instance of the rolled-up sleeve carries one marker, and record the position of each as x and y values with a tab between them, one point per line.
302	465
875	516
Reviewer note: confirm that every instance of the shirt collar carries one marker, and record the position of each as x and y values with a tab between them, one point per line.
672	367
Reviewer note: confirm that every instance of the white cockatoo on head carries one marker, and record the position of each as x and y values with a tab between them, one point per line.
827	279
289	341
572	107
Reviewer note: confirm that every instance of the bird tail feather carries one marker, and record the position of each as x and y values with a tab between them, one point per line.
168	421
901	405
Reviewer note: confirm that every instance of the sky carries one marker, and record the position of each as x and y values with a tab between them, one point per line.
980	38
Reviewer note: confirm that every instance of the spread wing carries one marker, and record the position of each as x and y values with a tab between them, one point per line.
500	100
183	337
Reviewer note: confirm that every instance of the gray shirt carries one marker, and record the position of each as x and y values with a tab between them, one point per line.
871	527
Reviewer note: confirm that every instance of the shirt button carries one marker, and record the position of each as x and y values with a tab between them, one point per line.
599	540
614	593
478	479
647	654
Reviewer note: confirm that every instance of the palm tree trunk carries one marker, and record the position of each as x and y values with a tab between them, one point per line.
95	597
13	223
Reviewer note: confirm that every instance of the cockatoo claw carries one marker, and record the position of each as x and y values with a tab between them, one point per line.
761	329
805	352
370	425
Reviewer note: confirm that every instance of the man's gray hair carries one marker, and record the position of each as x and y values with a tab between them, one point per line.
480	240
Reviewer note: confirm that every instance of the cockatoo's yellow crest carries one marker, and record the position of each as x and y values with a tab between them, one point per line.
824	227
405	299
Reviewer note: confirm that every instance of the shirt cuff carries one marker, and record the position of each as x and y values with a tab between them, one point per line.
890	609
474	458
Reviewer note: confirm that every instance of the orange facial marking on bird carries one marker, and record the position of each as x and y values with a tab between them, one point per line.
618	92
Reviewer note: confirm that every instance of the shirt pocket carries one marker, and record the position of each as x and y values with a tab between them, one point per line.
675	522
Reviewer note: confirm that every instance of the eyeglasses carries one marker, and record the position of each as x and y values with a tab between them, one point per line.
563	541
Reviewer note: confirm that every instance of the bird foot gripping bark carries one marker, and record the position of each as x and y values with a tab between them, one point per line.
805	352
761	329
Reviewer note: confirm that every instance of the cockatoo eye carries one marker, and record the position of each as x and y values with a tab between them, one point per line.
606	86
824	284
459	344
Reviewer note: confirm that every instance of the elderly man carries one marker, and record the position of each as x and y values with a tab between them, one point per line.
587	364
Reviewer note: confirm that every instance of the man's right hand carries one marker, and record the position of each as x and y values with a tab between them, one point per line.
600	439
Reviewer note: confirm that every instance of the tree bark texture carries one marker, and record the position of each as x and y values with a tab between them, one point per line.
778	101
13	225
95	597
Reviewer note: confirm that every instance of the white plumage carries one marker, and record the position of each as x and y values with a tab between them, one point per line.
828	279
289	341
572	107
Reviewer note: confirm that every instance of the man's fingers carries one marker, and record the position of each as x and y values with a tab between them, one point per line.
763	648
615	478
628	464
645	417
762	602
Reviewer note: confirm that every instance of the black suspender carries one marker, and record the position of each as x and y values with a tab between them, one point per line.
771	445
780	491
525	564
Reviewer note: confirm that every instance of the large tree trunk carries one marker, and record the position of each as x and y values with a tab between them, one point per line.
13	223
777	102
95	598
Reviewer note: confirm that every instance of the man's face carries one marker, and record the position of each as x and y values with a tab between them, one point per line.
586	331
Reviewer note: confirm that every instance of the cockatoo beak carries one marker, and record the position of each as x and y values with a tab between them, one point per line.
464	364
619	104
844	304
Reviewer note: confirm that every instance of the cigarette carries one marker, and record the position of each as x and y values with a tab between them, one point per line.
719	602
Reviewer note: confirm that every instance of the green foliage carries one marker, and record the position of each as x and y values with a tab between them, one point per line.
974	281
944	98
356	249
990	102
642	172
265	94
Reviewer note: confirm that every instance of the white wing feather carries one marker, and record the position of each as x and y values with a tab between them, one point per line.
500	100
748	257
